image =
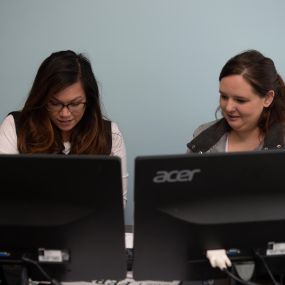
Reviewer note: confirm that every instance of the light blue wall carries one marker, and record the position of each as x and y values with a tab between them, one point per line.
157	61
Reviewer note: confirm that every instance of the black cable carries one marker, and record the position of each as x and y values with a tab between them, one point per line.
236	278
267	269
44	273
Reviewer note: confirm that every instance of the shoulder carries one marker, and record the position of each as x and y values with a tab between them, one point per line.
8	136
112	128
203	127
8	122
117	138
208	135
15	119
115	129
15	114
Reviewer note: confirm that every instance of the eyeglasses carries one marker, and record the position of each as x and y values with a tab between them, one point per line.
73	107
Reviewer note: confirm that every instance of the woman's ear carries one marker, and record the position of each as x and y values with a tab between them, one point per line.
269	98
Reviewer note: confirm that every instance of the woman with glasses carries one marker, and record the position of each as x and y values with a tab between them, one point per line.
62	114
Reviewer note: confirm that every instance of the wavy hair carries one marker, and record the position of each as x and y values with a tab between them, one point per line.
37	134
260	72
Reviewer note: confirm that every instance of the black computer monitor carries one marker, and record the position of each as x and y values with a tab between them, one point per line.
64	212
190	203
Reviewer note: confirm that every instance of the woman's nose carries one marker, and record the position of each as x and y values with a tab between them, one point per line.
230	106
64	111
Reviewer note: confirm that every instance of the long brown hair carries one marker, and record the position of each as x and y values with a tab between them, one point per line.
37	134
260	72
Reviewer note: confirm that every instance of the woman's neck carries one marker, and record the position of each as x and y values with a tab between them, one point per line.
244	141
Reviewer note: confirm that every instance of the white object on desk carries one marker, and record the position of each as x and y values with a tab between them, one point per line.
129	240
218	258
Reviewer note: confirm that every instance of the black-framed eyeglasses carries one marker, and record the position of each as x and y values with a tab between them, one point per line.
73	107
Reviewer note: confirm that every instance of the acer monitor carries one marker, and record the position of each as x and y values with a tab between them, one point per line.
63	212
190	203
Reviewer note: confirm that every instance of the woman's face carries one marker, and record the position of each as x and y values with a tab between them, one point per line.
240	105
67	107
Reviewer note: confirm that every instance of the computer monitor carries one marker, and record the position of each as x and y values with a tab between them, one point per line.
64	212
190	203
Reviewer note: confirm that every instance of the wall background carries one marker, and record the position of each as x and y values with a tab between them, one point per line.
157	61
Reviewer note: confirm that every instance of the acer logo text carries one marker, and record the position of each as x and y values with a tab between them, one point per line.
184	175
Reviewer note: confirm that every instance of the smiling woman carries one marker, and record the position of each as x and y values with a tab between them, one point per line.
62	114
252	103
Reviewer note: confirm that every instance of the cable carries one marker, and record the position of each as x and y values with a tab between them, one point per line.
236	278
219	258
35	263
267	268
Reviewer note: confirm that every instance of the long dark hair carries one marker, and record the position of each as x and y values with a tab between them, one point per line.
260	72
37	134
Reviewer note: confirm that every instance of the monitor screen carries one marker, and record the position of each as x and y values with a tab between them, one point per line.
66	213
190	203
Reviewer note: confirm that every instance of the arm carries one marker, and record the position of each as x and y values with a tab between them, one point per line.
119	149
8	136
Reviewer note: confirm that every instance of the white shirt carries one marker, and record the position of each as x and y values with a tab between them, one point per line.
8	145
